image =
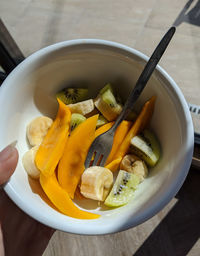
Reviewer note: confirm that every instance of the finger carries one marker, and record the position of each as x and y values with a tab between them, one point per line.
8	162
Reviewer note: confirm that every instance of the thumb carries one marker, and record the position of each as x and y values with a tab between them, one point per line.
8	162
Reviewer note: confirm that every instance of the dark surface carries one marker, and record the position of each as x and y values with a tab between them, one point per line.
10	54
178	232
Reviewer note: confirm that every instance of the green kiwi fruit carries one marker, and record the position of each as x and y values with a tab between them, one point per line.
147	147
72	95
76	119
123	189
105	88
101	121
109	98
107	95
107	104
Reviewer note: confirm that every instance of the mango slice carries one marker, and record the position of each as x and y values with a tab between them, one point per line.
139	125
61	199
52	146
71	165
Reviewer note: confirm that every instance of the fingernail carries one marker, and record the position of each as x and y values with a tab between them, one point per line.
7	152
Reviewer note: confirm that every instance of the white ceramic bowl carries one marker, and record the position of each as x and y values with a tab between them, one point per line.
29	91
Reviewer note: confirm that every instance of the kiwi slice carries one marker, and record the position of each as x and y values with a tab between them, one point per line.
107	95
109	98
123	189
107	104
107	87
147	147
72	95
76	119
101	121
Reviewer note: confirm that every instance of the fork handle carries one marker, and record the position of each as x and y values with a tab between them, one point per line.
144	77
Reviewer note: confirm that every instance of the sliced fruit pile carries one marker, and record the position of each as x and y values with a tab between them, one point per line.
60	147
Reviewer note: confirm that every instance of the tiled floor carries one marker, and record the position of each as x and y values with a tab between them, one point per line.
139	24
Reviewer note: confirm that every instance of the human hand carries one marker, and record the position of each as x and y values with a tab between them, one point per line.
8	162
19	233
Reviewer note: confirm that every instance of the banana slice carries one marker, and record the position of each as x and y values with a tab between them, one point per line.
28	161
37	129
96	183
134	164
83	107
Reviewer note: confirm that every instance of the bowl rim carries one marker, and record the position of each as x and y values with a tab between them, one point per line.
174	187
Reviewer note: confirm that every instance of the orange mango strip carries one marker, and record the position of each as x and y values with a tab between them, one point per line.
52	147
60	198
141	123
71	165
114	165
119	136
103	128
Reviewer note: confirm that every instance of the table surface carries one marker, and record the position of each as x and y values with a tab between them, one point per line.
139	24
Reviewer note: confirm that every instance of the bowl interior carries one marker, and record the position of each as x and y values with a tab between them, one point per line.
29	92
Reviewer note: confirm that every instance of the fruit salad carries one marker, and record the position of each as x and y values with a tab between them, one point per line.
59	148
